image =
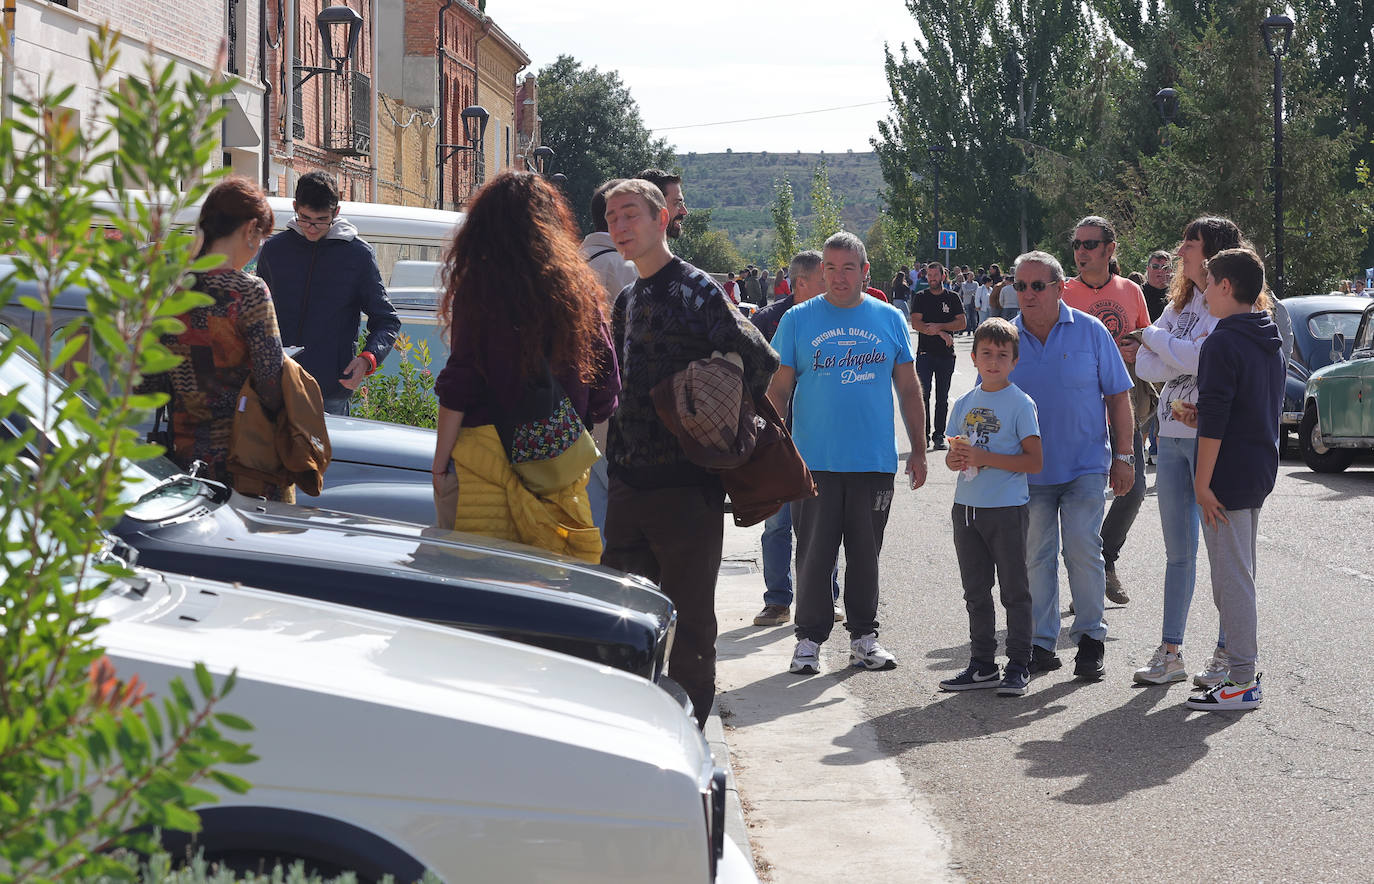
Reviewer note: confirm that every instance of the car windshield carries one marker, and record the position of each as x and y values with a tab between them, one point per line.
1323	326
147	484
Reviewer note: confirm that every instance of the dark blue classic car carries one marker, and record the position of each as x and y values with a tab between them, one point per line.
1313	320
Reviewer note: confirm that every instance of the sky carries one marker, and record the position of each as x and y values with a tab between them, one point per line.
719	61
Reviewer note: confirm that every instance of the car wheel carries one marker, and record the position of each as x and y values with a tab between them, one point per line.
1318	457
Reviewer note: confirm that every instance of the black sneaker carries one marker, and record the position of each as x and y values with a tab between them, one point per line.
978	675
1015	682
938	443
1088	664
1043	660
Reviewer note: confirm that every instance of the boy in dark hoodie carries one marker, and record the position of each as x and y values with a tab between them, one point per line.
1240	397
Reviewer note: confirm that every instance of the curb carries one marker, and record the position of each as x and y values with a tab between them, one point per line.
735	829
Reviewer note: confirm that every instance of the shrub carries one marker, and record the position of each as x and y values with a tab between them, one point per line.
406	397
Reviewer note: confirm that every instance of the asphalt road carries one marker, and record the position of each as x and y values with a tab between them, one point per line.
1083	782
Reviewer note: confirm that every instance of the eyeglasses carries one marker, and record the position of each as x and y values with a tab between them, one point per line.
313	223
1036	286
1089	244
1158	267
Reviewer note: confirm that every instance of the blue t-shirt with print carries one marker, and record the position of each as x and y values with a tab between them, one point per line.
843	407
997	423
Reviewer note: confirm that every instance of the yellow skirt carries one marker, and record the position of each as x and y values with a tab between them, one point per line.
493	502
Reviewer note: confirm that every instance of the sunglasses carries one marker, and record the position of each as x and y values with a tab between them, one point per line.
1036	286
1089	244
1159	267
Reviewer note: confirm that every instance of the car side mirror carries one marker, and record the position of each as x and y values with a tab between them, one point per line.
1338	347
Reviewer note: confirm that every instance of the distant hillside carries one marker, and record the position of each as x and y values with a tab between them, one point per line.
738	188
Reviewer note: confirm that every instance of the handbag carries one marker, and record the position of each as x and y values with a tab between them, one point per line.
543	437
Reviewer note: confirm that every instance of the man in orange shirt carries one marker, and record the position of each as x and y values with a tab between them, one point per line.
1119	304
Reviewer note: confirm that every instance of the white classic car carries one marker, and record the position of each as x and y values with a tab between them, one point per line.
390	746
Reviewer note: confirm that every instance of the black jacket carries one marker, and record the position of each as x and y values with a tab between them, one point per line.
1240	381
321	289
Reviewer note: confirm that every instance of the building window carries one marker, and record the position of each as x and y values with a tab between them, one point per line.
62	132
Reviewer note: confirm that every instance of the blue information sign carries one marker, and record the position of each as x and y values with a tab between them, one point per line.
948	240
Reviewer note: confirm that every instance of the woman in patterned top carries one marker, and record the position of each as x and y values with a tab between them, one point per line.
225	342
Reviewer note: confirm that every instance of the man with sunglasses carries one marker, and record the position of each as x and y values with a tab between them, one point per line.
1120	305
323	277
1071	366
1159	272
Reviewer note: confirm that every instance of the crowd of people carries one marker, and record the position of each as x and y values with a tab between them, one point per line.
564	347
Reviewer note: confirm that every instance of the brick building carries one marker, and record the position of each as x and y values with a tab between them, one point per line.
436	58
326	121
51	38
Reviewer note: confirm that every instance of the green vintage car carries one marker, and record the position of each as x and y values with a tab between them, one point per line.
1338	407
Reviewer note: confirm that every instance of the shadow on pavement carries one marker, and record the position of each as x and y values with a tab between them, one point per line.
1132	747
1349	485
785	694
956	657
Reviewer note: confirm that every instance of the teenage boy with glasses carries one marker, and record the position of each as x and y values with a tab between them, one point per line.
1120	305
323	278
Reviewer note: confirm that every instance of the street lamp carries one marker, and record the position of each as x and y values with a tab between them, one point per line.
339	29
1277	31
1166	101
543	158
937	153
475	119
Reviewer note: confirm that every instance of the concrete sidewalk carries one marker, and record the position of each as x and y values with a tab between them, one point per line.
823	802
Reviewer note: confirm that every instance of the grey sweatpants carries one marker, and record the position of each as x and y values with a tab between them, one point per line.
991	542
1231	551
850	508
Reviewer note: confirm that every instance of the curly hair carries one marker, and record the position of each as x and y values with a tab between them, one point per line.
515	264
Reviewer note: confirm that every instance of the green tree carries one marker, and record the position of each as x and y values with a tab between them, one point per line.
826	207
593	125
784	223
85	756
709	250
1220	157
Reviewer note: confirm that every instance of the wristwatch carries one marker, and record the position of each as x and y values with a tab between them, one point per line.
1128	459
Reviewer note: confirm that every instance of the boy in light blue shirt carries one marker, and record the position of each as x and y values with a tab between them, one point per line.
994	443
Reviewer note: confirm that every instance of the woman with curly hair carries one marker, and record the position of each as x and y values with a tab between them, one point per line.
520	304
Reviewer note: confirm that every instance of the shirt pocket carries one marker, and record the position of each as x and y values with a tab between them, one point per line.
1078	370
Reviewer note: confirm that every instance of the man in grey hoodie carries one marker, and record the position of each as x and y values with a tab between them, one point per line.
323	278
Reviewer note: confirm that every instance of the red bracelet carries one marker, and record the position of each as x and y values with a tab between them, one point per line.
370	358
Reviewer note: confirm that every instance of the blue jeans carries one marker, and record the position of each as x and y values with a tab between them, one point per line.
1182	519
597	495
971	317
777	560
1009	313
1074	510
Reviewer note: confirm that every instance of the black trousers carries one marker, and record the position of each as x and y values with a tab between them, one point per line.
941	370
673	537
988	539
851	508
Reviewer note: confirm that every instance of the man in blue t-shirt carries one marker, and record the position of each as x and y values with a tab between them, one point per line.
1071	367
842	354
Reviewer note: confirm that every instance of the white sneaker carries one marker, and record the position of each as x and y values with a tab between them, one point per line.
1163	668
839	614
1215	671
806	658
866	653
1228	696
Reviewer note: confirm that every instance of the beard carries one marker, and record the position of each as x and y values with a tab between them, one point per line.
674	228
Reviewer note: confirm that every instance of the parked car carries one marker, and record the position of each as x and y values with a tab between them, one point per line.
390	747
1338	404
1309	323
187	525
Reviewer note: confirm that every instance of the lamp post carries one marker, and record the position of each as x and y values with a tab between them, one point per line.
339	29
937	153
1277	31
543	158
474	135
1166	101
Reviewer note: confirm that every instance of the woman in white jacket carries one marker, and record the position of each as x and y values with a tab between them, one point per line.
1169	354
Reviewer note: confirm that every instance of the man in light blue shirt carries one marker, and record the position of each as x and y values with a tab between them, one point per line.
1071	367
842	354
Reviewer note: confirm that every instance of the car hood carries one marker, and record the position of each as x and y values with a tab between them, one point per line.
286	531
397	446
333	656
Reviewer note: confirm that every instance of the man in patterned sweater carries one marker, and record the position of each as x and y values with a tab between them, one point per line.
665	518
